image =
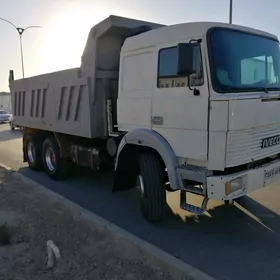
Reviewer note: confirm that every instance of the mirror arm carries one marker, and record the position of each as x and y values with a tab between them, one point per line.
189	79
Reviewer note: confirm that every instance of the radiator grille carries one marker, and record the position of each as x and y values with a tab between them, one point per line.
245	146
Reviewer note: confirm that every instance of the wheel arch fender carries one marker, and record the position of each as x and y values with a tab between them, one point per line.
152	139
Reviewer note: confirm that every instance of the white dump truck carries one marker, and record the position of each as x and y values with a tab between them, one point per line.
192	107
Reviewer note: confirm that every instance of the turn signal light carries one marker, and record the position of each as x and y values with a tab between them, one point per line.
233	186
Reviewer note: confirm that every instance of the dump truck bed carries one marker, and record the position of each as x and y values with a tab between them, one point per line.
73	101
57	101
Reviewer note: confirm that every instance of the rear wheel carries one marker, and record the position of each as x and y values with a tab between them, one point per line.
151	185
33	150
56	167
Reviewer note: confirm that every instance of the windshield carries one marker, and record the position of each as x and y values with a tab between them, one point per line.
2	112
243	62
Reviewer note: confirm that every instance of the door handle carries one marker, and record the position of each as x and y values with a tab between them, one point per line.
157	120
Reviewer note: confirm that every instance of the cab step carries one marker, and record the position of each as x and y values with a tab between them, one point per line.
192	208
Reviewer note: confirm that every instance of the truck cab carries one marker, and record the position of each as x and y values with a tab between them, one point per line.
212	91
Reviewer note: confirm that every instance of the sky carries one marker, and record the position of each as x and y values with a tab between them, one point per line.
60	42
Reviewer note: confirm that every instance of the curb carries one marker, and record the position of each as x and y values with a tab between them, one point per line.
189	272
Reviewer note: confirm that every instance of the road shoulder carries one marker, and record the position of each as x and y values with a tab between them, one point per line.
90	246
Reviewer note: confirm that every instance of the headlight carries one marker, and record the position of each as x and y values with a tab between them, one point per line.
233	186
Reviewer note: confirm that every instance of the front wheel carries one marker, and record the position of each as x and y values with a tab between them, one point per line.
56	167
151	184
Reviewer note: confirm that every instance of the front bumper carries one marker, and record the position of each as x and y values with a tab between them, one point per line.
239	184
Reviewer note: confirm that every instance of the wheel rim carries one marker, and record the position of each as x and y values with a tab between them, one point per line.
140	185
50	159
31	152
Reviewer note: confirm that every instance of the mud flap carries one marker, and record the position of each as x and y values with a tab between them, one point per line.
126	175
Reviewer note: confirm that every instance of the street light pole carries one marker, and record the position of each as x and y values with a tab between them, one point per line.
21	52
230	11
20	32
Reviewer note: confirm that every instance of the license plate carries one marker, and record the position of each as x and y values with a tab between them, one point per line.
271	173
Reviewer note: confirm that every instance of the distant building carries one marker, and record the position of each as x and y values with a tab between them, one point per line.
5	102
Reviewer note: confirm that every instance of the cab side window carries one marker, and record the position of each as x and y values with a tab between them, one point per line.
167	69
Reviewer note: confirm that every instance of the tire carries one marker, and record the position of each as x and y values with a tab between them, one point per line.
55	166
33	150
152	188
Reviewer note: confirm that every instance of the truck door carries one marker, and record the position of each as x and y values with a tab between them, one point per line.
180	112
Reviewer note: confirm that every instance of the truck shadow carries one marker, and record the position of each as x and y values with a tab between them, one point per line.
267	217
243	235
7	135
246	210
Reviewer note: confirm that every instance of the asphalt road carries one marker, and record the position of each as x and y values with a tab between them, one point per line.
236	242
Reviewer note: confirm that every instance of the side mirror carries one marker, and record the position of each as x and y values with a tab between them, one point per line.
186	59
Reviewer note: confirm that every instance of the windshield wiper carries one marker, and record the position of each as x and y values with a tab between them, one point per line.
261	89
273	88
231	88
250	89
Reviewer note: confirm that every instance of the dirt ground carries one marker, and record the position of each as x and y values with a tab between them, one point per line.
87	252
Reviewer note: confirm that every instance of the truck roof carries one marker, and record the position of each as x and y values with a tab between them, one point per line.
174	33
